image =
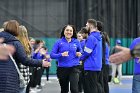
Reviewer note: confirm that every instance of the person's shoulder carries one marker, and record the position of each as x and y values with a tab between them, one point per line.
91	37
94	38
136	40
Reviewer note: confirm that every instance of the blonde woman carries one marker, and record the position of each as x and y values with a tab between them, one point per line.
23	38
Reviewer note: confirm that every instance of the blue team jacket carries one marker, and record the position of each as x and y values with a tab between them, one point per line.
92	55
72	47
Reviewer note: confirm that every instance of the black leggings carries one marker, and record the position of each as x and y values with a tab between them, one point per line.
66	75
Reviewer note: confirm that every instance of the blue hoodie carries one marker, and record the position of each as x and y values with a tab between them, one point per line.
82	44
136	60
92	55
63	45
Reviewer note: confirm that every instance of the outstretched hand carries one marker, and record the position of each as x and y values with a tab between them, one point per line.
120	57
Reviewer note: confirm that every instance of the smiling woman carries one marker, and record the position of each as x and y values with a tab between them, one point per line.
67	51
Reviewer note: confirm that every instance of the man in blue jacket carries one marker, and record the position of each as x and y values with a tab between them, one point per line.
92	57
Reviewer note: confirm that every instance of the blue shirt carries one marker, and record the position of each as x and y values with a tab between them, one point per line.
92	55
63	45
137	63
38	56
82	44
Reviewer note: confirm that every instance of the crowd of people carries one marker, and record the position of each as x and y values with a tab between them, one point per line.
82	59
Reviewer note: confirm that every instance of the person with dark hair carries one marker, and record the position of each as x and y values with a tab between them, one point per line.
92	58
80	83
105	58
9	78
67	51
84	32
46	54
37	54
82	36
100	26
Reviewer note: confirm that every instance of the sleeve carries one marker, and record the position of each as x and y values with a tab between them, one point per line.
89	47
55	51
21	56
79	48
34	55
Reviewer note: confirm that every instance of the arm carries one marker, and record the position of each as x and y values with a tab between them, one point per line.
120	57
55	51
89	47
20	56
79	50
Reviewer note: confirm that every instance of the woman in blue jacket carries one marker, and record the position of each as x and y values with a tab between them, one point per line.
67	51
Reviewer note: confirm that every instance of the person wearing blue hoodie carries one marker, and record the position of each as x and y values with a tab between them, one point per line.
67	51
92	57
104	75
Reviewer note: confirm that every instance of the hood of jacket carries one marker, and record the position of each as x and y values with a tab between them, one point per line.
97	35
7	37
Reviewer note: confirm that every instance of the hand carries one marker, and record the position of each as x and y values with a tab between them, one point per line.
65	53
78	54
45	63
5	50
43	52
1	40
47	56
81	62
120	57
